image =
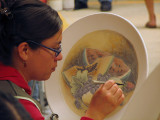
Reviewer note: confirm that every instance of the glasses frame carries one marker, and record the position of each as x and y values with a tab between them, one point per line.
54	50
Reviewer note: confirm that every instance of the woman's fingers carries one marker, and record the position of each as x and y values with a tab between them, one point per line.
109	84
114	89
118	93
120	100
105	100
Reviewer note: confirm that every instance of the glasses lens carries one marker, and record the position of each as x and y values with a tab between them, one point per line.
58	51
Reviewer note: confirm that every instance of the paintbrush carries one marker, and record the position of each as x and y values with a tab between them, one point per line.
102	82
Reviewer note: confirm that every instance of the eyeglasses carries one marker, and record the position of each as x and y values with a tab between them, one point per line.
58	51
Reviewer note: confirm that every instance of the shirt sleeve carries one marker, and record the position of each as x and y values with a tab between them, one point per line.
85	118
32	109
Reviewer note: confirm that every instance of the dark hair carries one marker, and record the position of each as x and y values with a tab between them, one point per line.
25	20
11	109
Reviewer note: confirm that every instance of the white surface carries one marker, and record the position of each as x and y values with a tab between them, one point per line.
146	103
68	4
72	34
56	4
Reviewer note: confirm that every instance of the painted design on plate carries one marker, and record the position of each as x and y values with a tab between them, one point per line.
100	55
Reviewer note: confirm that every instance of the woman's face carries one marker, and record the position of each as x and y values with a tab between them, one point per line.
42	61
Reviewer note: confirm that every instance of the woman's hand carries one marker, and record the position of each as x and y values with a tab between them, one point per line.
108	97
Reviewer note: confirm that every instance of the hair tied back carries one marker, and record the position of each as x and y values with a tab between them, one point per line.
4	10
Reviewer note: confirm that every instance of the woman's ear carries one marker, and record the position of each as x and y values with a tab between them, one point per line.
23	50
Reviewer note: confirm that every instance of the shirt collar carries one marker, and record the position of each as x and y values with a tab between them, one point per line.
11	74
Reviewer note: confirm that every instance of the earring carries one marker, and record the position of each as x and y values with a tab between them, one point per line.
24	63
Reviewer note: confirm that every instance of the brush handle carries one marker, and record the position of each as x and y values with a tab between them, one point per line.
102	82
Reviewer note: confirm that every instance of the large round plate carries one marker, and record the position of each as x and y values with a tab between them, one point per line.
104	32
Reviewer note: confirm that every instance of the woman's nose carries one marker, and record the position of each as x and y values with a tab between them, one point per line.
59	57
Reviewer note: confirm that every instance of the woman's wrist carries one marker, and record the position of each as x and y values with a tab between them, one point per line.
94	114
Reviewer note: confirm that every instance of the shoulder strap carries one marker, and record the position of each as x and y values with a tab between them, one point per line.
26	98
21	94
6	87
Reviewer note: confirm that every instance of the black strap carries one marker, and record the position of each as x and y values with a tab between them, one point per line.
9	87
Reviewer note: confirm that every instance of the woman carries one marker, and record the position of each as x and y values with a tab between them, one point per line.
152	17
30	47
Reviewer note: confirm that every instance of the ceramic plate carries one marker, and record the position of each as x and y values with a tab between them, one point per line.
97	47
